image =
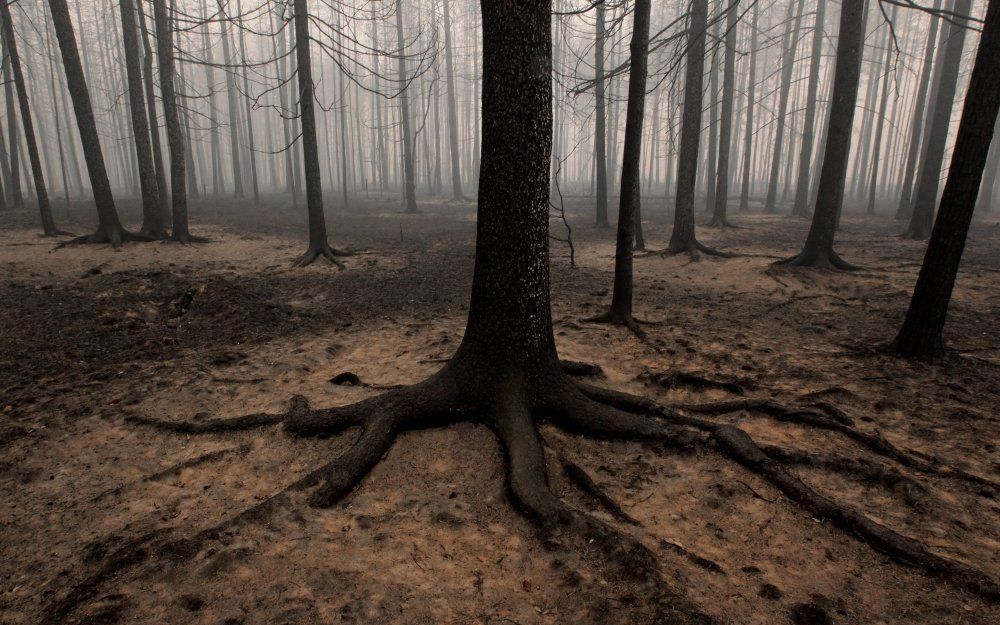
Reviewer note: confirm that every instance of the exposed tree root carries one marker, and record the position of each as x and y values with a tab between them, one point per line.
693	249
579	476
327	253
187	238
820	260
670	379
875	442
717	222
703	562
57	233
115	237
581	369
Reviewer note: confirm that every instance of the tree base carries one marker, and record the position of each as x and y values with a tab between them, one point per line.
513	404
327	253
187	238
114	236
820	260
693	249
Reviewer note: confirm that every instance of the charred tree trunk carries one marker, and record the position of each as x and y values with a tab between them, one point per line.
152	215
748	136
922	329
14	61
719	219
925	198
318	244
175	135
621	297
600	121
791	41
818	250
801	206
409	183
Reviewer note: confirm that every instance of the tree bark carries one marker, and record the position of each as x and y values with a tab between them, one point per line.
818	249
988	190
152	216
14	62
922	219
923	327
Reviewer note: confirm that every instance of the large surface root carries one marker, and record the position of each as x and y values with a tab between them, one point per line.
327	253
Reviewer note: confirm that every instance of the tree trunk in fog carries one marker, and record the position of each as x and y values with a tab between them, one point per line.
5	162
719	219
409	184
988	190
291	180
109	229
682	238
818	249
248	111
213	118
152	218
713	123
449	68
600	121
621	297
925	197
175	137
17	197
54	88
10	44
801	206
150	92
879	126
748	136
922	329
789	45
233	105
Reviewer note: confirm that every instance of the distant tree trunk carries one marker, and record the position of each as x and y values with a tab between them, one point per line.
682	239
291	180
213	117
449	68
233	106
409	184
621	297
44	208
319	247
922	329
713	124
937	136
791	40
879	126
175	136
801	206
748	136
988	190
17	197
719	218
600	121
344	134
153	224
381	156
54	87
818	250
248	111
4	160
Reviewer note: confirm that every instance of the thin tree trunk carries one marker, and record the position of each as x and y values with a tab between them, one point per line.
749	134
923	327
879	126
801	206
719	218
449	68
14	175
233	106
789	46
600	128
988	190
409	184
248	111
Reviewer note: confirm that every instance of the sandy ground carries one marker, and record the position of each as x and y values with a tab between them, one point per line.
90	336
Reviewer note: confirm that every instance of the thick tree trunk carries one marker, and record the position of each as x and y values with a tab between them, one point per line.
152	215
600	121
928	181
749	134
17	75
449	68
801	206
409	183
719	218
922	329
175	136
789	45
818	250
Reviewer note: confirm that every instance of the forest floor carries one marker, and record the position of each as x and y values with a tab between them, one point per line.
89	336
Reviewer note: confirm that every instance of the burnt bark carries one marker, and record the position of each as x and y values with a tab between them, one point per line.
818	249
17	75
922	219
922	330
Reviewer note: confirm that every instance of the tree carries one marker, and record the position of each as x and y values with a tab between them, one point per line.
154	131
925	198
818	249
719	219
153	219
801	206
789	45
449	68
620	312
600	119
682	239
879	126
319	247
409	183
14	63
922	330
233	106
988	191
748	137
